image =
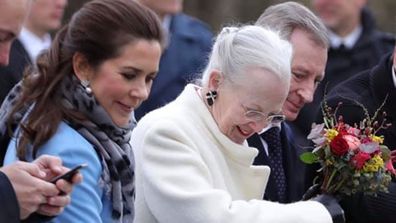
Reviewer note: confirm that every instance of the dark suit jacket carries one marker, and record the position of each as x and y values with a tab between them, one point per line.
10	75
370	89
295	169
9	211
184	58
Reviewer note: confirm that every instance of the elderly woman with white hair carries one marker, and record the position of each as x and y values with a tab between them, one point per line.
192	160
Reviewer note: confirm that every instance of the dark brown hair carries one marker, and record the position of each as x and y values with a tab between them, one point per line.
99	30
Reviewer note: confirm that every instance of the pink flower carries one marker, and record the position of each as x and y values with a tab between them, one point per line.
369	147
390	168
366	140
352	141
353	131
393	156
317	134
360	159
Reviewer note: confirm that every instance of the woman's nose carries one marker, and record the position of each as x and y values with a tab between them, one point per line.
140	90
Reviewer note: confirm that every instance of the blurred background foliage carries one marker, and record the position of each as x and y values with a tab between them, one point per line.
218	13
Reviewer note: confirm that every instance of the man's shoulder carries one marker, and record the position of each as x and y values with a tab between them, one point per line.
10	211
385	36
192	26
352	89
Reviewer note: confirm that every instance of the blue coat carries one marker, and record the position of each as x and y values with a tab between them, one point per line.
88	201
184	58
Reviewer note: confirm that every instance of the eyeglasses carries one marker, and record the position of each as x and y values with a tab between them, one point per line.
257	116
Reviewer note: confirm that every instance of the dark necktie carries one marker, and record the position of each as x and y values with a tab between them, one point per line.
342	47
273	140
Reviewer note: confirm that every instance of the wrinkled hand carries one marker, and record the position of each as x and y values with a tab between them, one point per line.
331	204
30	190
53	167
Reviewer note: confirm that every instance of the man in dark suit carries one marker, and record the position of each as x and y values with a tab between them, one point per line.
189	42
308	37
44	16
370	88
13	72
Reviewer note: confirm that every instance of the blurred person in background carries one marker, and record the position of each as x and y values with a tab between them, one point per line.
188	43
277	146
355	45
78	104
23	186
44	16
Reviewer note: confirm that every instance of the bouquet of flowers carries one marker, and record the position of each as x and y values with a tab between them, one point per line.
352	158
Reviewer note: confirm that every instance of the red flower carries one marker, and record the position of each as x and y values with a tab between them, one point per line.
339	145
360	159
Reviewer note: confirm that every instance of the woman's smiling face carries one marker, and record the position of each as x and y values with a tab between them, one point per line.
121	84
261	91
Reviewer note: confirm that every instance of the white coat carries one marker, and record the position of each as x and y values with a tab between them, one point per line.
187	171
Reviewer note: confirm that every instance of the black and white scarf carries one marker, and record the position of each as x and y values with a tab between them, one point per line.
110	142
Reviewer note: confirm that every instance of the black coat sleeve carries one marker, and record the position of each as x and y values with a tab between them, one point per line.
9	211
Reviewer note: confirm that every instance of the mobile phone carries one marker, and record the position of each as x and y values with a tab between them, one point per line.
68	176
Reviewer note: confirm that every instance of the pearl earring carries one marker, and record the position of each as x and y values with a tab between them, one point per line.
85	84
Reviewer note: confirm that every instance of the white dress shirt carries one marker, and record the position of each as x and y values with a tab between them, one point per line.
265	144
34	44
349	41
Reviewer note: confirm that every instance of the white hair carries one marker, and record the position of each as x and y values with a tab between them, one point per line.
239	48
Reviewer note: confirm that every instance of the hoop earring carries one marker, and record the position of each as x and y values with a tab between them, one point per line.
85	84
211	97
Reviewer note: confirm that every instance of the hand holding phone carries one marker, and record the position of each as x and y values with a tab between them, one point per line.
68	176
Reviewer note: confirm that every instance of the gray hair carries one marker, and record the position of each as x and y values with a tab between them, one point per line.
239	48
285	17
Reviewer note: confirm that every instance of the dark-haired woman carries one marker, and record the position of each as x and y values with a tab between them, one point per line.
79	105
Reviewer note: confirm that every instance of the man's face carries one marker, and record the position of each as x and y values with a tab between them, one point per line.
336	14
12	13
46	15
308	65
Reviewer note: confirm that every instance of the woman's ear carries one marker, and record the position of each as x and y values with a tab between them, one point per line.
81	67
215	79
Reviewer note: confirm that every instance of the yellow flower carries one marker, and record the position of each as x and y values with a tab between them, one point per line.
374	164
377	139
330	134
